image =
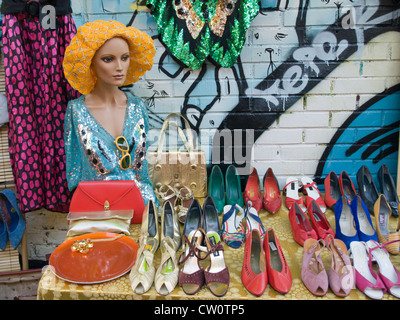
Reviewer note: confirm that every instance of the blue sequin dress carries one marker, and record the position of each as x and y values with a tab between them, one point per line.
91	154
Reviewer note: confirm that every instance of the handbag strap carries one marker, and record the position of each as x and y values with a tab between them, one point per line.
187	142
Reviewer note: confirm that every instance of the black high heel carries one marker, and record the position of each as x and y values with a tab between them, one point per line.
194	218
367	188
388	188
210	216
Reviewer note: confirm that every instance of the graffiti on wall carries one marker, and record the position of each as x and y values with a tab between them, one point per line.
236	101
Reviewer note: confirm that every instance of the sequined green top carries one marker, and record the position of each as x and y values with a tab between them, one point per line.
193	30
91	154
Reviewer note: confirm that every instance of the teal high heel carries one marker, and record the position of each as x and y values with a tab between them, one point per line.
216	188
233	187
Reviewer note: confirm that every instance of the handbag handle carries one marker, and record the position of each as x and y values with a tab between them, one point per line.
188	143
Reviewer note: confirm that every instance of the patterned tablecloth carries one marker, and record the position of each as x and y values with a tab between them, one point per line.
53	288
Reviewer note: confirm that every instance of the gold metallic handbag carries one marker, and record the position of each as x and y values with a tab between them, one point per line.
178	167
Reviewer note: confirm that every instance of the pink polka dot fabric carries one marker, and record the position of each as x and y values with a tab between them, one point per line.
37	95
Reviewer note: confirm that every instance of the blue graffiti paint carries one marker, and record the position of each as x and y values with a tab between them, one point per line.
369	137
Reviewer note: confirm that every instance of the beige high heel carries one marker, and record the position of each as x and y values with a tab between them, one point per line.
167	274
382	213
143	272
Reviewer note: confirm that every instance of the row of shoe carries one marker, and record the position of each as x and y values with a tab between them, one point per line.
336	187
340	277
374	284
308	187
12	223
228	191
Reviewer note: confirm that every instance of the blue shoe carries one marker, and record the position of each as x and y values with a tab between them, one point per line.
232	230
345	222
16	226
365	229
3	231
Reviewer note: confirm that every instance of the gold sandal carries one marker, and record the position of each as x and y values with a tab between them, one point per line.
164	192
184	199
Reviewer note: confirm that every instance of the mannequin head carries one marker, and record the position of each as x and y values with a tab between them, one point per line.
91	39
111	62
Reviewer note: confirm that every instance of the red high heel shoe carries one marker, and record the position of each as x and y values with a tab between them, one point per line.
332	190
279	275
301	227
319	221
252	190
272	200
254	271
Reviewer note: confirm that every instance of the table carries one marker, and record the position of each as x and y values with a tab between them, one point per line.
52	288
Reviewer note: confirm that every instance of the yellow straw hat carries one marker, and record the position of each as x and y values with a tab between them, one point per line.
90	37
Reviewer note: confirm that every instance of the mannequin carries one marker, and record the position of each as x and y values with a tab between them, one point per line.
106	102
105	118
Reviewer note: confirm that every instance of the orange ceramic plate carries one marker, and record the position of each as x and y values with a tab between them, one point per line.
107	260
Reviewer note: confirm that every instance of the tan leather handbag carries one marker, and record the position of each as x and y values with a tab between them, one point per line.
178	167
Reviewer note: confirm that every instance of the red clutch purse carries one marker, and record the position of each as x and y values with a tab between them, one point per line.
98	196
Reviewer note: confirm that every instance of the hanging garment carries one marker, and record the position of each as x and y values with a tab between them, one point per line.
194	30
37	96
92	154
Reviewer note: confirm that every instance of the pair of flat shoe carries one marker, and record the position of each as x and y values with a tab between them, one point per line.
12	223
264	263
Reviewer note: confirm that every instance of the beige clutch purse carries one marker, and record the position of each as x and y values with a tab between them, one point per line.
116	221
